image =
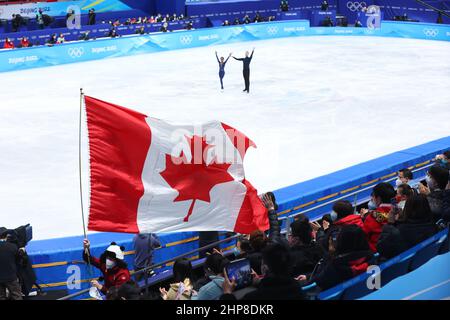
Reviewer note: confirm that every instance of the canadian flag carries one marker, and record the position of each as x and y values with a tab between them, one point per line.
147	175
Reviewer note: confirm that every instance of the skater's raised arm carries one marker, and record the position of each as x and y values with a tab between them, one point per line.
217	57
251	56
227	58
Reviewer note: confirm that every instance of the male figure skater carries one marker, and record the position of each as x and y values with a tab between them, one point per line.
222	63
246	71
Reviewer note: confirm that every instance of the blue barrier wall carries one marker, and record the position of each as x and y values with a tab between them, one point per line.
19	59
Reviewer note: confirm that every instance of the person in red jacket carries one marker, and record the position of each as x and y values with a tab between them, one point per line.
112	265
24	43
342	214
8	44
377	216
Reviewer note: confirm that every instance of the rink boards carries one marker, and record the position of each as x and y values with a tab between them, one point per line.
35	57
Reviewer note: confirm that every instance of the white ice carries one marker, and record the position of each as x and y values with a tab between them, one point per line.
316	105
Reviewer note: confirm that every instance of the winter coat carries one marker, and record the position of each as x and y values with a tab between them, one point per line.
439	201
374	222
306	257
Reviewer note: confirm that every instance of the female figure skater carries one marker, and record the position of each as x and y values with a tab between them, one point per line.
222	67
246	71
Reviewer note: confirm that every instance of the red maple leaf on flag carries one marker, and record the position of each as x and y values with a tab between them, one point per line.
194	179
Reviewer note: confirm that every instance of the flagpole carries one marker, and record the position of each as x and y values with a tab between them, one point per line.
80	175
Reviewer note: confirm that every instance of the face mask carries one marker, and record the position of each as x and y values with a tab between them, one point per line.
398	182
333	216
236	251
372	205
401	204
430	182
110	264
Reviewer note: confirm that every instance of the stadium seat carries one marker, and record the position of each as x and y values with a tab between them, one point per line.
311	290
445	245
423	255
395	270
330	296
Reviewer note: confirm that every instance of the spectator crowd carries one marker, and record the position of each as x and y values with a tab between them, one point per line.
337	247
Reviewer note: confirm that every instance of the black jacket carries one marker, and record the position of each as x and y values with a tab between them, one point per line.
394	239
341	268
273	288
9	254
306	257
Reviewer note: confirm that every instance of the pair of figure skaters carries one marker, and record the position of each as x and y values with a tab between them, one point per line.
245	72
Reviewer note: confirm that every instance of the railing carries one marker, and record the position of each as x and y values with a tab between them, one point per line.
212	245
289	218
159	264
433	8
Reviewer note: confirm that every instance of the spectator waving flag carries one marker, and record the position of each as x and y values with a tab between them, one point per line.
147	175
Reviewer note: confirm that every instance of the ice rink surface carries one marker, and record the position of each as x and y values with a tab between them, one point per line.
316	105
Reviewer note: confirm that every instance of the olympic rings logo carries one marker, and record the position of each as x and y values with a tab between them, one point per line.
272	30
75	52
431	32
355	6
185	39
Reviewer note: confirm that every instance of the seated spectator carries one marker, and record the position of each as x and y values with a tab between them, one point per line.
242	248
443	160
246	19
127	22
284	5
133	21
342	214
91	17
151	19
182	288
174	17
52	41
404	176
139	20
9	44
159	18
113	33
324	6
85	36
140	30
258	242
415	226
116	23
181	17
128	291
438	192
9	254
60	39
277	284
164	27
167	18
379	207
214	267
111	264
226	23
350	257
25	43
305	251
327	22
358	24
404	192
271	18
236	21
258	18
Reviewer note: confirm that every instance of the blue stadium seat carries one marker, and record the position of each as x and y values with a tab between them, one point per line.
333	296
311	290
445	245
395	270
423	255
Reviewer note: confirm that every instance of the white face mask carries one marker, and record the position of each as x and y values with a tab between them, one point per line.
110	264
372	205
398	182
333	216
